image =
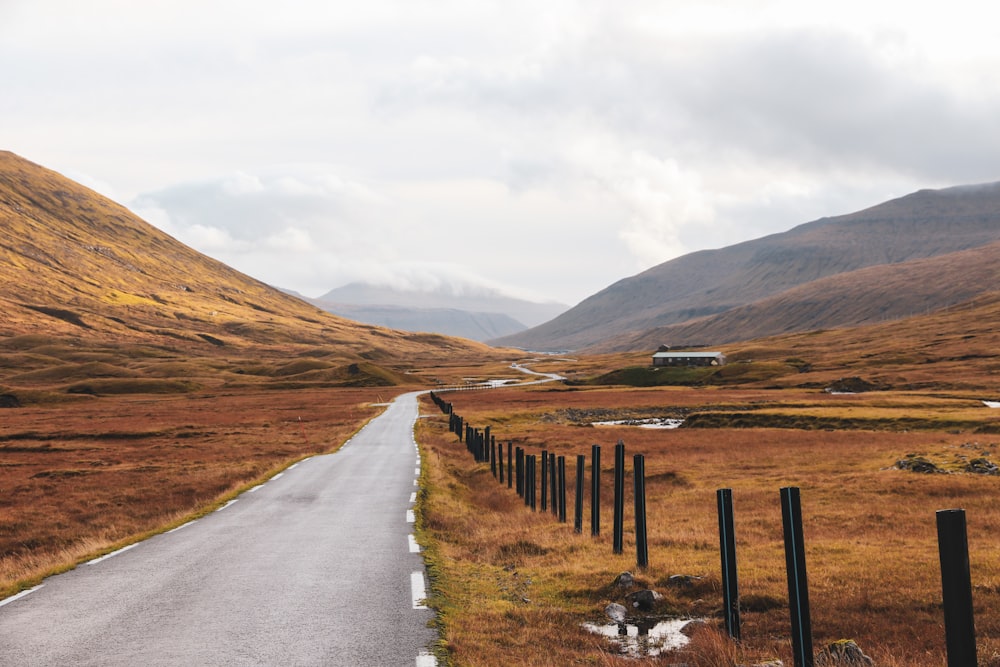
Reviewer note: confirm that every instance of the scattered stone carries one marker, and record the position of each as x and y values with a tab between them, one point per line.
616	612
842	652
624	580
682	580
643	600
915	463
980	466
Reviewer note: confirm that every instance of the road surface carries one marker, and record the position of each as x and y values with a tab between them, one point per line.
315	567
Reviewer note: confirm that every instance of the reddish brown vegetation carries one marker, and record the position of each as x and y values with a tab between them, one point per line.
870	529
86	475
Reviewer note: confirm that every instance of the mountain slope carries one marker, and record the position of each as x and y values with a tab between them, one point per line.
866	296
73	263
924	224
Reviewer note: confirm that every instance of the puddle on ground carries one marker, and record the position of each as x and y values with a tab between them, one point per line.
643	423
646	639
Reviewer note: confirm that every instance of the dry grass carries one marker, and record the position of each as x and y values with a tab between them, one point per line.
79	478
870	530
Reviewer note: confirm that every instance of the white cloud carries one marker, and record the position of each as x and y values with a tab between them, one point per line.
550	148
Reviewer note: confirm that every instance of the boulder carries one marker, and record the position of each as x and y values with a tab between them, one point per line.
616	612
624	580
643	600
915	463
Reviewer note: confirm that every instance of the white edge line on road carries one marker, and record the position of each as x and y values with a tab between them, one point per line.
416	471
426	660
29	592
417	590
414	547
277	476
410	517
413	497
113	553
255	488
292	467
234	500
183	525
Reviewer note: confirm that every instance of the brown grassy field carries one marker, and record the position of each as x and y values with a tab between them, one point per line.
102	443
90	475
513	586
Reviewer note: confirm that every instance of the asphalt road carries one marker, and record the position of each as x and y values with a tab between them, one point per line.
315	567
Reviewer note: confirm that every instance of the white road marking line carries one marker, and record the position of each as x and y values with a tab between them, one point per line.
292	467
413	497
414	547
277	476
426	660
418	590
417	471
184	525
20	595
410	516
227	504
113	553
255	488
416	482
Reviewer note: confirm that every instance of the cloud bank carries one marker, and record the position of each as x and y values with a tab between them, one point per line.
545	150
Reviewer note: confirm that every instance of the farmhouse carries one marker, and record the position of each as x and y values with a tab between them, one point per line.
689	359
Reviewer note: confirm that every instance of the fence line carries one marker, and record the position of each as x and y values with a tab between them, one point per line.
951	524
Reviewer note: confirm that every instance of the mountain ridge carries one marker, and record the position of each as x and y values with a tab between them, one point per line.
923	224
74	263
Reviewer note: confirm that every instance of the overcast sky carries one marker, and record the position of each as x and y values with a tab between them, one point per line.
546	148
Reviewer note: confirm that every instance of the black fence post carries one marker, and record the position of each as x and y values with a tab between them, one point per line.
519	467
595	490
619	497
532	463
798	584
493	457
581	466
545	480
956	585
553	484
510	464
727	549
562	489
485	443
639	479
500	460
526	485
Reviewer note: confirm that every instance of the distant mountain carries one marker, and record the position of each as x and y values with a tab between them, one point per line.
705	284
447	321
74	264
478	313
871	295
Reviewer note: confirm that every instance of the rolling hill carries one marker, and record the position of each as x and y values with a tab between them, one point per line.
78	269
925	224
867	296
